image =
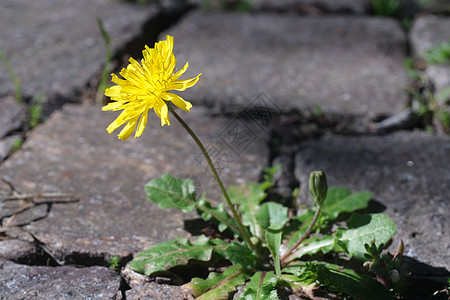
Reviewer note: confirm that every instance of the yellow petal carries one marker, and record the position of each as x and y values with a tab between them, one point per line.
162	112
119	121
180	72
178	101
142	123
128	129
181	85
112	106
114	92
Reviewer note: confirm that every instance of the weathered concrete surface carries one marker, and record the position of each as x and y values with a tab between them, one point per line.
55	46
12	119
346	65
407	172
12	116
426	33
73	153
37	282
315	6
6	145
154	291
300	6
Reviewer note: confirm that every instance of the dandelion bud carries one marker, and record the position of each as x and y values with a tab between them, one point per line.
318	186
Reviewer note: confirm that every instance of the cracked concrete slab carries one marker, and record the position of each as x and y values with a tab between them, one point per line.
408	174
340	64
38	282
73	153
427	32
55	46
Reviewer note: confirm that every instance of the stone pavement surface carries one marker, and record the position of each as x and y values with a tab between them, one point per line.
295	69
427	32
55	46
348	57
408	174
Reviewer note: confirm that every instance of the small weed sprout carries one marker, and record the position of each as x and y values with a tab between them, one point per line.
114	263
17	144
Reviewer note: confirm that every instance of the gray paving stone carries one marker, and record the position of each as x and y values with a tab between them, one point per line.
436	6
426	33
73	153
6	145
302	6
315	6
55	46
407	172
38	282
12	116
154	291
346	65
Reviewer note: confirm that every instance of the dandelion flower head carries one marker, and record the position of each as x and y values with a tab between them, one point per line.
146	86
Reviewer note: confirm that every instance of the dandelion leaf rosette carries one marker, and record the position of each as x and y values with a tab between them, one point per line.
248	197
273	240
362	229
218	285
262	286
357	286
270	213
340	200
168	191
177	252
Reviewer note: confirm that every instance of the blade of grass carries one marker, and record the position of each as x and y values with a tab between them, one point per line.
14	78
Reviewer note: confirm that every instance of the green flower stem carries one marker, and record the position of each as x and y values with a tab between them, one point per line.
243	230
303	237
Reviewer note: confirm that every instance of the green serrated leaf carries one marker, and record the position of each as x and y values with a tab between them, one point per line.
177	252
346	281
248	197
261	287
218	285
168	191
362	229
341	200
301	271
270	213
313	245
273	239
240	254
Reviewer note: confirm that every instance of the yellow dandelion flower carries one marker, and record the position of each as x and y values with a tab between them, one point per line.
145	86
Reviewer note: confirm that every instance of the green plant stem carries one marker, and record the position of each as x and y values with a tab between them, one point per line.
244	232
13	76
302	238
